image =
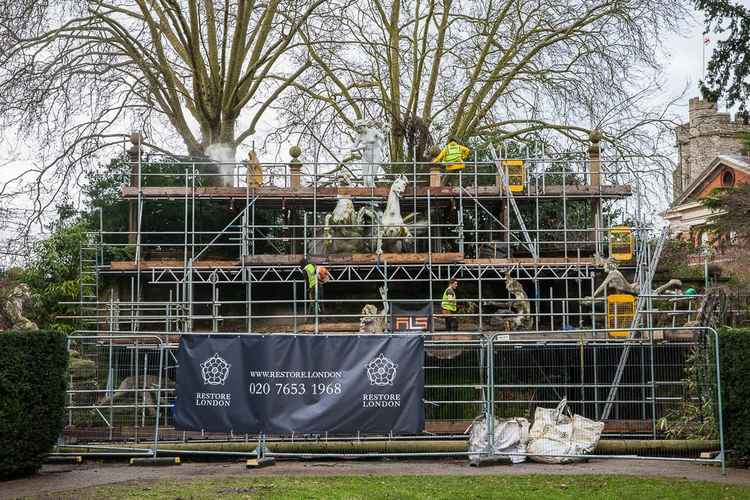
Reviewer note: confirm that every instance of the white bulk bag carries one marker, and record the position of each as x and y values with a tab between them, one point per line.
555	433
510	437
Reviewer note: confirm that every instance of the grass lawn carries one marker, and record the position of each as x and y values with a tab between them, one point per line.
428	487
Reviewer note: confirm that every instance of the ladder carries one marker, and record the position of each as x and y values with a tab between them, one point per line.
646	271
88	285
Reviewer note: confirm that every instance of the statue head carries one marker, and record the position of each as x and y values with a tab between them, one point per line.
367	127
610	265
399	185
344	208
361	124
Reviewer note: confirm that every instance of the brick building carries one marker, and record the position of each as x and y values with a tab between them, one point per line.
707	135
689	220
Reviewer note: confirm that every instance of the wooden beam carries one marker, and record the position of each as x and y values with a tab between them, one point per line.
332	193
529	260
129	265
355	258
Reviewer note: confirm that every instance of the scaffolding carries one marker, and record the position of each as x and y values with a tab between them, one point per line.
227	256
208	249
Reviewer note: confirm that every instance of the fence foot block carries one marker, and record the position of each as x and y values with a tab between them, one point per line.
255	463
485	461
156	461
53	459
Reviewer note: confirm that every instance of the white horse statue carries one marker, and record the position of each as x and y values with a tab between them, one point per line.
345	228
392	230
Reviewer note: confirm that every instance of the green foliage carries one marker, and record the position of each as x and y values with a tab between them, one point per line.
32	383
695	416
53	274
734	346
674	260
729	66
733	210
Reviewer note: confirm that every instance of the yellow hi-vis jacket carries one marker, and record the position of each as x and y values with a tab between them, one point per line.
453	155
449	300
312	276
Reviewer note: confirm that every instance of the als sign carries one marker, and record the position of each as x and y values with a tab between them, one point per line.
410	320
304	384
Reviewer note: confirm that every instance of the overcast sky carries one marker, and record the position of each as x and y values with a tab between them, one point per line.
682	69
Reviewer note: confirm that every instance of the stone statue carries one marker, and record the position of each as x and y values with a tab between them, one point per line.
148	386
616	280
347	222
13	298
373	321
367	152
345	228
254	170
392	230
520	307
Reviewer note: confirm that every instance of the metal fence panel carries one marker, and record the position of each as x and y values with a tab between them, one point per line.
666	403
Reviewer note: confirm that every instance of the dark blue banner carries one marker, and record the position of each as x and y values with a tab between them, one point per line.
409	319
304	384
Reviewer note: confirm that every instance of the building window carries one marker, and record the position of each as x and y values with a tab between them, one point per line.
727	179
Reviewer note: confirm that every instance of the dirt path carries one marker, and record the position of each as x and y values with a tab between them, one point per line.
58	478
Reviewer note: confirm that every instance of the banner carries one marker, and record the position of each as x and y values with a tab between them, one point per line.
404	319
304	384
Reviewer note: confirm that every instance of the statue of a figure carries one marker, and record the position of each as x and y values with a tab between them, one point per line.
519	315
615	279
392	229
345	228
12	301
372	320
367	152
254	170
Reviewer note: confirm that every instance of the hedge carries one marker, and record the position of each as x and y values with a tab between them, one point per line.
33	381
734	346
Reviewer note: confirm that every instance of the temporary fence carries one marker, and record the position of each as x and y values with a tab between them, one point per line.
664	396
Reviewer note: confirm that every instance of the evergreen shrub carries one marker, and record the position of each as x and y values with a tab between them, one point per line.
33	381
734	346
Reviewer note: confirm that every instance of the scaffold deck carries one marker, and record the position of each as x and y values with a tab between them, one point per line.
350	259
275	196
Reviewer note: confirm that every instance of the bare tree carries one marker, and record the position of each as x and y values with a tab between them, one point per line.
78	76
505	68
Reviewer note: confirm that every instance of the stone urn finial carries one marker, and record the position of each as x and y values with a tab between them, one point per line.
295	166
295	152
595	136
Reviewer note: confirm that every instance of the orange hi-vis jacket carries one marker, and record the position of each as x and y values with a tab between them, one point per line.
453	155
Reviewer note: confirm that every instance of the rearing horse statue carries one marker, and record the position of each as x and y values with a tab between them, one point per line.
392	229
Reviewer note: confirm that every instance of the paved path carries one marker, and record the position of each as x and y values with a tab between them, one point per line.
58	478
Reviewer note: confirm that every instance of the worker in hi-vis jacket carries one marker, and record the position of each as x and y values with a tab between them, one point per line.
452	156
